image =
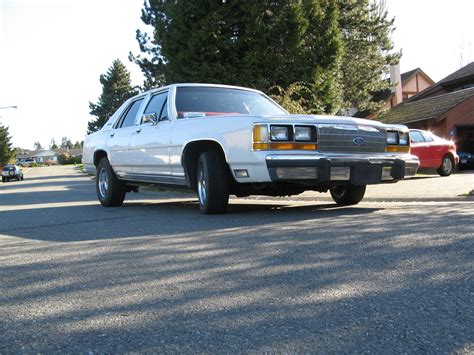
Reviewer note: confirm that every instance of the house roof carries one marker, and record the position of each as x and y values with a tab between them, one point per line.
425	109
465	73
409	74
45	153
384	95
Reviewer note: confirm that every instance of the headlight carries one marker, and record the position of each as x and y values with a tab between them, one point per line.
284	137
403	138
392	137
303	134
279	133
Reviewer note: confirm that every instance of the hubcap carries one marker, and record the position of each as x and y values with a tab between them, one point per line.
103	183
202	185
447	165
339	191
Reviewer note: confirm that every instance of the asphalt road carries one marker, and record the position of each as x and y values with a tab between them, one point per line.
390	275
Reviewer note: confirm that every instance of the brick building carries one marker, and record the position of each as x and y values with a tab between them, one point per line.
445	108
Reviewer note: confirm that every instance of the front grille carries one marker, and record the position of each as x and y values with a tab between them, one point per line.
340	139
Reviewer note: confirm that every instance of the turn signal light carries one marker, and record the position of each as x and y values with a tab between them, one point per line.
397	149
284	146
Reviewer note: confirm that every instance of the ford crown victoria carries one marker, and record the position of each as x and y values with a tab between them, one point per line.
222	140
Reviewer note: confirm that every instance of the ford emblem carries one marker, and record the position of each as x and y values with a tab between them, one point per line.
358	140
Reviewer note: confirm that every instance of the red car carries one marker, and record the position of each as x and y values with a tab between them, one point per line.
434	152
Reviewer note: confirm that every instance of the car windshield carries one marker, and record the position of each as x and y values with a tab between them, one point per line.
212	101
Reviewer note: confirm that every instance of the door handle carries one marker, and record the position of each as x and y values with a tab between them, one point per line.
138	130
112	134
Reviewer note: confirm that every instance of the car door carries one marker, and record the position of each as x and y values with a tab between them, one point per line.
435	150
418	147
149	144
118	141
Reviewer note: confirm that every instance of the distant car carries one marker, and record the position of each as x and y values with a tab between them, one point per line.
26	162
434	152
466	160
11	172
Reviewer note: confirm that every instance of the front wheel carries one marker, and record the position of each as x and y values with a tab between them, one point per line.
110	190
348	194
4	179
447	166
212	183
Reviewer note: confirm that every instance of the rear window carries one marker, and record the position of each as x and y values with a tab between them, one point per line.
213	101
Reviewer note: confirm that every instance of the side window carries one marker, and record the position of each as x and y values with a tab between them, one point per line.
416	137
157	105
427	137
132	111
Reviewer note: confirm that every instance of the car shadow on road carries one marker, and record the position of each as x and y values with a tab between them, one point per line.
154	217
276	278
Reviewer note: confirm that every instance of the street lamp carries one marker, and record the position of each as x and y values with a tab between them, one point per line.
8	107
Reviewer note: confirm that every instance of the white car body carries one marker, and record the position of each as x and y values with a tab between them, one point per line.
147	153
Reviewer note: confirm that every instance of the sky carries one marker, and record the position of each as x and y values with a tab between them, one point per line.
52	53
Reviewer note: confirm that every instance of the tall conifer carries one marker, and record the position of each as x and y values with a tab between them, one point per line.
116	88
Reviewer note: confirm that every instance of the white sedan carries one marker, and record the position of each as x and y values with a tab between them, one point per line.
219	140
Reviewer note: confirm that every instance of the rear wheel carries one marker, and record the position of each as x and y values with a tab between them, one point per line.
110	190
212	183
447	166
348	194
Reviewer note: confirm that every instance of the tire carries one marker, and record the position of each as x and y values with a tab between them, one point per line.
4	179
347	195
110	190
447	166
212	183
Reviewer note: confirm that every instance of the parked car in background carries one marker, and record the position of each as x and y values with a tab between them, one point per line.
26	162
219	140
466	160
10	172
434	152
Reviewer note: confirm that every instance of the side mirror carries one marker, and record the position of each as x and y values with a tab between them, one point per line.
150	118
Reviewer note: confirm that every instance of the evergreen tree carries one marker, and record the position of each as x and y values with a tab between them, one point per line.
6	151
116	88
52	144
77	145
261	44
66	143
368	53
37	145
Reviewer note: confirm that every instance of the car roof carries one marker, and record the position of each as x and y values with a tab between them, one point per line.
203	85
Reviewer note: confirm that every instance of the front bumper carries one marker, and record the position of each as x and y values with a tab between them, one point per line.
358	170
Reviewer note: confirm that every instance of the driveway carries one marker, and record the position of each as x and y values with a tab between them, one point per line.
393	274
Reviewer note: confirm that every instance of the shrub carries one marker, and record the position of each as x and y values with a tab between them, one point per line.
63	158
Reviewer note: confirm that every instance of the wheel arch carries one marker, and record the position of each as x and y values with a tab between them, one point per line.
98	155
190	157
